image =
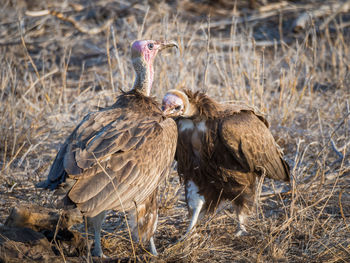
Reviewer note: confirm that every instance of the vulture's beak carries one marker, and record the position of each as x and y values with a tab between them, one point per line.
170	111
167	112
166	44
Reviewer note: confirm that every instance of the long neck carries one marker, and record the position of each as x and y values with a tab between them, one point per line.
144	76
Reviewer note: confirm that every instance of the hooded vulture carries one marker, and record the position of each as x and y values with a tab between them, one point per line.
116	157
221	150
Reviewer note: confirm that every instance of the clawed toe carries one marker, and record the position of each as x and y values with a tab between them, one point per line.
241	232
98	253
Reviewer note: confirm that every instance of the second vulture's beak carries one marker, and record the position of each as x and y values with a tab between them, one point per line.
167	111
171	110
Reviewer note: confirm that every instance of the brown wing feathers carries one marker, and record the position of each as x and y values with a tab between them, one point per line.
253	145
244	131
207	107
116	155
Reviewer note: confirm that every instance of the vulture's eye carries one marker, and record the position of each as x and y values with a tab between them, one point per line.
178	108
150	46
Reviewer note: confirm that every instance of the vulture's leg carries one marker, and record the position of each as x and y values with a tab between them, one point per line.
195	203
241	217
243	203
153	247
96	222
144	222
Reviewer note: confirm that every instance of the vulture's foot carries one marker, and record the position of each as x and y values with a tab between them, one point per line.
153	247
97	252
241	231
241	216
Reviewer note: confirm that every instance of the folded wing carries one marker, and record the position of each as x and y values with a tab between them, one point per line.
251	143
116	157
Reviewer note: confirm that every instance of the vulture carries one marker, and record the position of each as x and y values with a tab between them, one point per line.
116	157
221	150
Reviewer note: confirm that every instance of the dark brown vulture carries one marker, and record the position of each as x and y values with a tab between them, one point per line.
116	157
221	150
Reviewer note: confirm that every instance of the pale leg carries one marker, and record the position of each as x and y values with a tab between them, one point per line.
195	215
96	222
241	230
143	222
195	203
151	240
153	247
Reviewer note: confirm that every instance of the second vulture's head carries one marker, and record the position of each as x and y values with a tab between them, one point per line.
176	103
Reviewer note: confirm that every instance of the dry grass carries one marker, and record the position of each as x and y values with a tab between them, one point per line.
51	75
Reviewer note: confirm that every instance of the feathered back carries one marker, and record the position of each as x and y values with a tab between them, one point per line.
117	156
138	100
209	108
236	131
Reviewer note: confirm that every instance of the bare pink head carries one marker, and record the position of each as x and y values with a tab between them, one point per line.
148	49
176	103
143	53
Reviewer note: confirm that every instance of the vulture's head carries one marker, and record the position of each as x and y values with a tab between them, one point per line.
143	53
176	103
147	50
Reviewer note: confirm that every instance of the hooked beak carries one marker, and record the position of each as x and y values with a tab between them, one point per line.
166	44
168	111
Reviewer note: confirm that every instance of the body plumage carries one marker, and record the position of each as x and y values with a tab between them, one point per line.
221	150
116	157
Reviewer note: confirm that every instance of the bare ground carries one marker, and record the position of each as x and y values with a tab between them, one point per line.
54	71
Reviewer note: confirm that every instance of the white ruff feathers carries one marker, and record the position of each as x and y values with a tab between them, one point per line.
202	127
186	125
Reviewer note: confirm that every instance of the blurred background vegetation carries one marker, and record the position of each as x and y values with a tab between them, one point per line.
290	59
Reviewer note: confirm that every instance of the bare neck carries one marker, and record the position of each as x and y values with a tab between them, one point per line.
144	76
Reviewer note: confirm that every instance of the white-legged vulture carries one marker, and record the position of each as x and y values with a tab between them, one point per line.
116	157
221	150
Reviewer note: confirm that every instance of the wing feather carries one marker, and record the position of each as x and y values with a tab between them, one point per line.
115	156
134	169
252	145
